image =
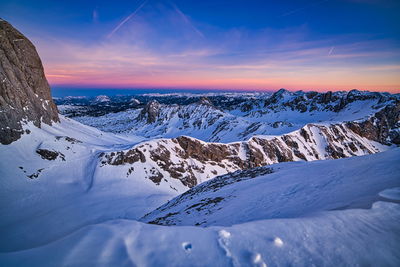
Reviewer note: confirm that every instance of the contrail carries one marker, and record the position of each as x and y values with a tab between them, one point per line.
126	19
187	20
303	8
330	51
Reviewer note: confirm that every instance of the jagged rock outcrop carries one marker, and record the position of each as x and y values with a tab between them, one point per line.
192	161
150	112
384	127
24	91
205	101
314	101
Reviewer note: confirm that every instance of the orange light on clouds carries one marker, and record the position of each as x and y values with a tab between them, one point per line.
122	65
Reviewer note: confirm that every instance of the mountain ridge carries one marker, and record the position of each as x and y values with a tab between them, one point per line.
229	119
187	159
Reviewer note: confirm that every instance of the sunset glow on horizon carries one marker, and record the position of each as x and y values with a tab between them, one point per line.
247	45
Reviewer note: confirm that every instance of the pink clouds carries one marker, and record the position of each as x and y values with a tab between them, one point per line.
133	55
118	65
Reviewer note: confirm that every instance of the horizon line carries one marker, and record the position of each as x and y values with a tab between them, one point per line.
97	87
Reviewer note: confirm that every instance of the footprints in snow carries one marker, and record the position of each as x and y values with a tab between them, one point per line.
278	242
258	261
224	240
187	247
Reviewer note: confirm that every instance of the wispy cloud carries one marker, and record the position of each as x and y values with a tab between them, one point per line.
127	19
125	65
187	20
166	52
311	5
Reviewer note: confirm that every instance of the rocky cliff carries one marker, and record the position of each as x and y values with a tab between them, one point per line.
24	91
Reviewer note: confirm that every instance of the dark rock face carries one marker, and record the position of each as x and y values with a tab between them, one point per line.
150	112
120	158
384	127
205	101
50	155
24	91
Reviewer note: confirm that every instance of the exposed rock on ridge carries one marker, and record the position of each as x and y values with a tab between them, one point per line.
329	101
150	112
238	118
192	161
24	91
384	127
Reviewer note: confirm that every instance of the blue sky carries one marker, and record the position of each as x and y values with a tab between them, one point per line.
319	45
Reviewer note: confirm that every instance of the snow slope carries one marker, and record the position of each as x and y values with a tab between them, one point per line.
336	224
285	190
71	195
36	189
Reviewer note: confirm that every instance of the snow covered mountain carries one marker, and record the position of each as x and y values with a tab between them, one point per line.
102	99
73	195
192	161
222	119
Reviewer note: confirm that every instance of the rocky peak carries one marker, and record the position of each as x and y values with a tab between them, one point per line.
205	101
281	92
327	97
24	91
150	111
383	127
277	96
333	101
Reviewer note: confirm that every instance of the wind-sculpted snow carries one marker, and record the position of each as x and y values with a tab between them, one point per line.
289	190
332	221
51	176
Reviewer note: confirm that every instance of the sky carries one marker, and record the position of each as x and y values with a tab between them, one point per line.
229	45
